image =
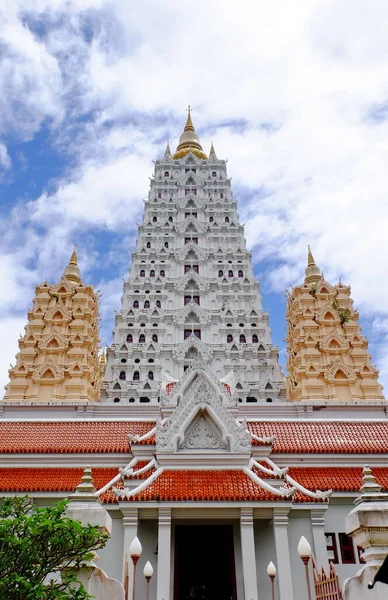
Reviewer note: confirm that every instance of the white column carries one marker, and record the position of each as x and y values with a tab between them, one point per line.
164	555
280	527
318	529
248	553
130	524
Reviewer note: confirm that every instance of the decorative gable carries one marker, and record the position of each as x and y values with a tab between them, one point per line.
201	420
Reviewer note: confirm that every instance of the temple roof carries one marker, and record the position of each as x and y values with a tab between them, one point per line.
226	485
292	437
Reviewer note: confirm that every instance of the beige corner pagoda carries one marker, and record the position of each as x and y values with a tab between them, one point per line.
58	354
328	356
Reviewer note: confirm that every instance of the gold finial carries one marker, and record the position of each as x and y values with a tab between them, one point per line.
212	151
310	258
313	274
71	272
73	258
103	356
189	123
168	149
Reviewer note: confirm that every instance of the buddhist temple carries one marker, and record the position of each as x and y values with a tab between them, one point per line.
194	439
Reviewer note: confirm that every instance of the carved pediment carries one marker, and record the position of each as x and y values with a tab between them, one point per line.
181	253
338	372
192	342
181	315
202	419
190	224
49	372
191	280
202	435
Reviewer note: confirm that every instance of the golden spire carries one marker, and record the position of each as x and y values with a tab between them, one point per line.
103	356
212	151
310	258
73	258
189	141
189	123
313	274
71	272
168	150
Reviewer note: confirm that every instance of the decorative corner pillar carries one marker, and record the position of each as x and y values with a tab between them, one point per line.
318	528
248	553
280	528
367	525
164	555
130	524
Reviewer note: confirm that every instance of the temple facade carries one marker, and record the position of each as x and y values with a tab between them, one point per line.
196	441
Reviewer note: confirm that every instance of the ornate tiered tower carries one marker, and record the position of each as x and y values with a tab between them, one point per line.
58	356
191	296
328	356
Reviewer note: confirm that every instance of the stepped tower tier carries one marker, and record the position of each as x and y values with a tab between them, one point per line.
328	356
191	295
58	354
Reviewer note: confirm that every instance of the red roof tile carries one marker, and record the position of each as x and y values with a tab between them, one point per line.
188	485
312	437
329	437
69	437
202	486
50	480
339	479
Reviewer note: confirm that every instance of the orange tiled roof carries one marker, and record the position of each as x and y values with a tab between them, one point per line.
312	437
49	480
188	485
329	437
339	479
203	485
69	437
237	486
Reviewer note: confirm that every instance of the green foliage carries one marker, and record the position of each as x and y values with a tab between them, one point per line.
313	289
38	542
343	313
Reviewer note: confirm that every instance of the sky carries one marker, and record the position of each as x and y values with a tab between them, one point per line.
294	95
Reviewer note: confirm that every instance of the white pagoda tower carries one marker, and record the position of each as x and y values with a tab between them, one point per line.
191	297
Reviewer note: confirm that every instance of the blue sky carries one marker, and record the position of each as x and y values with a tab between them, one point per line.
294	95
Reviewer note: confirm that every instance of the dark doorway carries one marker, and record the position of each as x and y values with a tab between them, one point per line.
204	563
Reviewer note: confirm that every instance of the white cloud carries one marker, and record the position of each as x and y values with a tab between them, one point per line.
5	160
295	95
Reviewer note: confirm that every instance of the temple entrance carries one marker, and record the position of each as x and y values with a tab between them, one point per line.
204	563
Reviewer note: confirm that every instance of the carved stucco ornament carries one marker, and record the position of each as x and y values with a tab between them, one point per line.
202	436
201	398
